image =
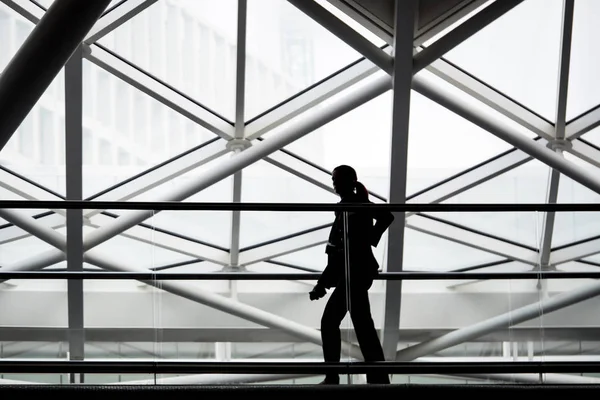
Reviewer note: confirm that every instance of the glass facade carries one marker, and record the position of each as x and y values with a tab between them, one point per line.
159	123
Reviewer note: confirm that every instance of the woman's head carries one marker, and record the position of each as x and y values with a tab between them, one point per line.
345	182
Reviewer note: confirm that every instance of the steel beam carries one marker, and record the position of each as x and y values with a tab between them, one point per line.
74	190
42	57
239	135
583	124
491	97
559	134
405	15
585	151
564	68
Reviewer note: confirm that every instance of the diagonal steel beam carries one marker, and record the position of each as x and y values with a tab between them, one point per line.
582	124
41	57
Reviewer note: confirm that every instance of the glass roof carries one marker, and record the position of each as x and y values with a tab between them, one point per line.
159	120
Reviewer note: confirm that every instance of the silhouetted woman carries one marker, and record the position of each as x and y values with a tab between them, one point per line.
362	234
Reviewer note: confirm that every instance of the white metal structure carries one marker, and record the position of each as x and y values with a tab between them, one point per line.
256	101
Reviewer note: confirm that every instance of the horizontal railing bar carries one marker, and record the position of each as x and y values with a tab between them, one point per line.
179	367
314	207
252	276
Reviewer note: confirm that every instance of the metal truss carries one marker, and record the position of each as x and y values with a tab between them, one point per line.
244	143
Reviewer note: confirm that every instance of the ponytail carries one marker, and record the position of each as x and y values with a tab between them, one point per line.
362	192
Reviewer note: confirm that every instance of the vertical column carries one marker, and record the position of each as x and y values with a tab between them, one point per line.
239	143
559	143
402	80
73	161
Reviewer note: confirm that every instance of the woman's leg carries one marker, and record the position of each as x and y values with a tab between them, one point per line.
366	334
334	313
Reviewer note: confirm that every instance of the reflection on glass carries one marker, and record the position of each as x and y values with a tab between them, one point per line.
531	81
188	44
286	52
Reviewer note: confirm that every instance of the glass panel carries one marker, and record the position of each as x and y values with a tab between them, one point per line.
14	29
360	138
36	150
575	226
516	56
126	131
527	183
585	60
458	144
263	182
592	137
286	52
188	44
448	255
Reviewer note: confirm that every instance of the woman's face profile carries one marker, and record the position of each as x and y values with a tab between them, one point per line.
341	184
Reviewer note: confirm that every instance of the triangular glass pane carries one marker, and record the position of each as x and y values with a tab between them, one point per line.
188	44
14	29
126	131
37	149
592	137
517	57
263	182
286	52
313	258
360	138
448	255
210	227
527	183
441	144
22	249
574	226
137	254
584	87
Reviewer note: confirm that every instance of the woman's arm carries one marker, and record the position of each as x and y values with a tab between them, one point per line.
383	220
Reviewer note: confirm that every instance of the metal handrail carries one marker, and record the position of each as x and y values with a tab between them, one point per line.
307	207
294	367
254	276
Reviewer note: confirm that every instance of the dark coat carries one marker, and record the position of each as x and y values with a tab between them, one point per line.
362	236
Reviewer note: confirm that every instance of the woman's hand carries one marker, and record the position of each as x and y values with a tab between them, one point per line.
317	293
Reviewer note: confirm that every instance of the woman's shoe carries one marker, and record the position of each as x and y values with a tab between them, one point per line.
331	380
